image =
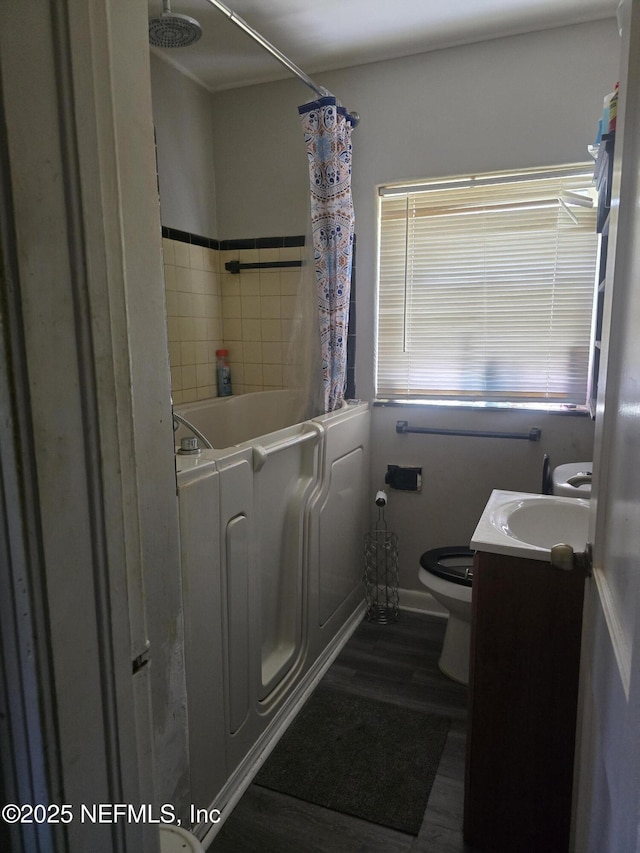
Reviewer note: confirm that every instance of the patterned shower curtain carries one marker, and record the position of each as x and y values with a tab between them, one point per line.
327	132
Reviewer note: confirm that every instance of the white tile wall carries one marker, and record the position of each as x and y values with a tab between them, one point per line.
194	318
209	308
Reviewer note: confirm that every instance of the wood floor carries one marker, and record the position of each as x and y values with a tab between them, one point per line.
395	663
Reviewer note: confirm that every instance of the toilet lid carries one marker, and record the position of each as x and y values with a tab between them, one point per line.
454	564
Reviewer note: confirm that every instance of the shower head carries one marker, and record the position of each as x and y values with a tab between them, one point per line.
172	30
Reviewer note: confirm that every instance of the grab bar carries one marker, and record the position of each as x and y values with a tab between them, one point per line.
235	266
533	434
261	453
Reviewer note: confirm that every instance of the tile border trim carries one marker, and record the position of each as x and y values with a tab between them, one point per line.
293	241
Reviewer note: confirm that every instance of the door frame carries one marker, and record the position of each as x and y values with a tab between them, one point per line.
90	534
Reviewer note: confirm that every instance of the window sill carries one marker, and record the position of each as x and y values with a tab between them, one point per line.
486	405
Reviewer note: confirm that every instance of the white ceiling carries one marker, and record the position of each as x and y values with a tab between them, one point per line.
323	35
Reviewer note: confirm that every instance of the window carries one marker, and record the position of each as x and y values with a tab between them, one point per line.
486	288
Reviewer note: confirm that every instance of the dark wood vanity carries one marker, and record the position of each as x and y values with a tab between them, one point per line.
525	655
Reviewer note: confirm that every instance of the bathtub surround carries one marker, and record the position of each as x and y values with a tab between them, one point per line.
194	317
258	307
209	308
252	314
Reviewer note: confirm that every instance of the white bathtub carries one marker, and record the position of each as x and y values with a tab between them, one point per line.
272	529
227	421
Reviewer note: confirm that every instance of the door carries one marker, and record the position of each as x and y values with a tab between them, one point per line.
87	477
607	791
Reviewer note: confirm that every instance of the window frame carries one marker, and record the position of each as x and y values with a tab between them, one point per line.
509	398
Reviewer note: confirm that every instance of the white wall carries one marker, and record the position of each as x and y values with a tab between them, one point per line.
183	120
459	472
262	175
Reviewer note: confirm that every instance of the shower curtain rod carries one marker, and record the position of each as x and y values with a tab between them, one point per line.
277	54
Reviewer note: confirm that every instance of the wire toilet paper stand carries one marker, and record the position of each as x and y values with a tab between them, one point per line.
381	569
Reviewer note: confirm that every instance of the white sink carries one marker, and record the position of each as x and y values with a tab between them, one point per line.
526	525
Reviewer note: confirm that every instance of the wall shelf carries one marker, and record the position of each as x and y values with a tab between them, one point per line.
602	178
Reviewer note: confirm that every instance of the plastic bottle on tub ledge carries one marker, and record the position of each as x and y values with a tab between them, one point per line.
223	373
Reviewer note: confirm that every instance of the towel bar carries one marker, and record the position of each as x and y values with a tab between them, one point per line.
533	434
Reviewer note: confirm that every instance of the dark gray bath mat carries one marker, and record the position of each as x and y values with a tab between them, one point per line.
359	756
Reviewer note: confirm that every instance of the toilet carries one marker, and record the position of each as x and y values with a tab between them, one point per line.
572	480
447	574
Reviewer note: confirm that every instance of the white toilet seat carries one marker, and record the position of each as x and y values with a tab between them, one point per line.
456	598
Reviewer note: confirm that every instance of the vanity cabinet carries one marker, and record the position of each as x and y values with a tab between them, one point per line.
525	654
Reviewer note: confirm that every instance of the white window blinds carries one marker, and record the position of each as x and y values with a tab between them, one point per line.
486	288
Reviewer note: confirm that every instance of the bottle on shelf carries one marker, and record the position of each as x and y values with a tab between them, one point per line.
223	373
613	110
610	103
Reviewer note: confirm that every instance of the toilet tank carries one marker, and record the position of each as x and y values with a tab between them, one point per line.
572	480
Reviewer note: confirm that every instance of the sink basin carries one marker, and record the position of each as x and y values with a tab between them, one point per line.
527	525
544	521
